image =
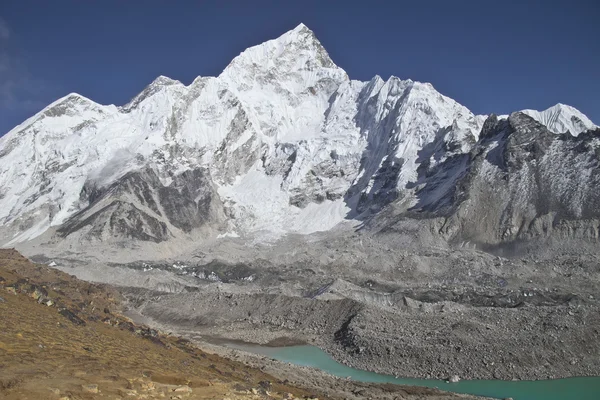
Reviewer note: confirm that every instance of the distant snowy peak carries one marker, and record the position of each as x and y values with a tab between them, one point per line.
562	118
296	50
158	85
71	105
284	84
294	61
69	115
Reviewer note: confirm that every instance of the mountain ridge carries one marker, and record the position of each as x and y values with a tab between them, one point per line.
289	144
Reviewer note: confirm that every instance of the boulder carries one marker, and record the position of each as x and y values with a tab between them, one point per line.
183	389
90	388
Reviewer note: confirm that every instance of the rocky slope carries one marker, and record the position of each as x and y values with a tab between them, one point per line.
431	313
282	142
49	317
520	181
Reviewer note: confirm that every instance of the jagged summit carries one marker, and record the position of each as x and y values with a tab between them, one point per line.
164	80
69	100
296	50
305	38
300	27
70	97
156	86
161	81
562	118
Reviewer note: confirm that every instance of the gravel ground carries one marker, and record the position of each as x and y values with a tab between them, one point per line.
381	304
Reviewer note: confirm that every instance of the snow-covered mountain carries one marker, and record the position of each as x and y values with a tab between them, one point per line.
282	141
561	118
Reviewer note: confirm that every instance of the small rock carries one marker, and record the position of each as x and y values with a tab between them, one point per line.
128	392
265	384
71	316
183	389
254	391
90	388
2	300
454	379
55	391
148	386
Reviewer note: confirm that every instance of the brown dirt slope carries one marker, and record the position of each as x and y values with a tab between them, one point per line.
62	338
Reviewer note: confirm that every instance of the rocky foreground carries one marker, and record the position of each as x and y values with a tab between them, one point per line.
63	338
432	314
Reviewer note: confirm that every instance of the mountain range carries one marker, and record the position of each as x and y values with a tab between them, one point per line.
284	142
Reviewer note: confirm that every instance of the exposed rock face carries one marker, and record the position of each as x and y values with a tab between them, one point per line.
519	181
138	206
282	141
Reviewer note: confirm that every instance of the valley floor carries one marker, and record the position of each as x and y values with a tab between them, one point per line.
430	315
63	338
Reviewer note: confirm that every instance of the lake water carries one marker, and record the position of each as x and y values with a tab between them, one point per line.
583	388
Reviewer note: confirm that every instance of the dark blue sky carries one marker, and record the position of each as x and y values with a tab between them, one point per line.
491	56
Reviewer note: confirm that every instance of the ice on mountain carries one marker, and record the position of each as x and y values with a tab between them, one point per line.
291	144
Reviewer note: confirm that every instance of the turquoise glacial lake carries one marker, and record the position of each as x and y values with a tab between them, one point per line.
581	388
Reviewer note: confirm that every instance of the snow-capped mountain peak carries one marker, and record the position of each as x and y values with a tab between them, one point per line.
286	83
294	51
157	85
561	118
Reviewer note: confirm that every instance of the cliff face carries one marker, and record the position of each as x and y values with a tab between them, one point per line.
520	181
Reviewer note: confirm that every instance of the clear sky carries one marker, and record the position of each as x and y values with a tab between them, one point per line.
491	56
